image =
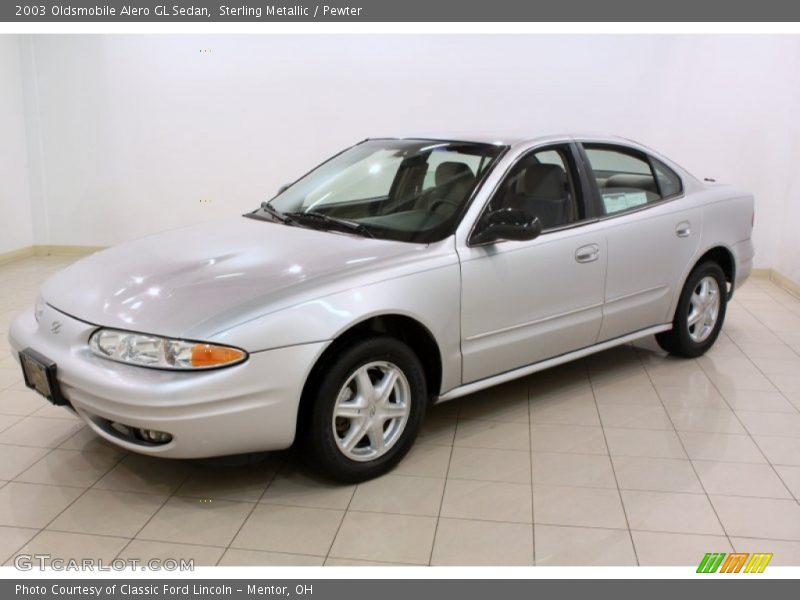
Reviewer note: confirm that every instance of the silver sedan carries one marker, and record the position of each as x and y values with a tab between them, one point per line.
399	273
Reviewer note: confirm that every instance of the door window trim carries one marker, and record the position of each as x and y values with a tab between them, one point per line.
635	153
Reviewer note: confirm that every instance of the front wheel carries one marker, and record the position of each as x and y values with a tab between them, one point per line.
367	409
700	313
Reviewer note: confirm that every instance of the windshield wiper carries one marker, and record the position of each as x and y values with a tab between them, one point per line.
276	214
327	219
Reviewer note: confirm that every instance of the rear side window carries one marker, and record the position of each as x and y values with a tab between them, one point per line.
627	179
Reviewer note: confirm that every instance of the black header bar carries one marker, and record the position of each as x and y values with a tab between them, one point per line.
365	11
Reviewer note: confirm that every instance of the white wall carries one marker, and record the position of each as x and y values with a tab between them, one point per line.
15	205
137	130
787	257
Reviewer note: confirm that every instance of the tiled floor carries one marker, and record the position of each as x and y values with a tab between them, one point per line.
627	457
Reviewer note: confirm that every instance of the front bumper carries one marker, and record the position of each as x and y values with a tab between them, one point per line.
249	407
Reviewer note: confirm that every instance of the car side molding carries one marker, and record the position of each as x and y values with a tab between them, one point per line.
476	386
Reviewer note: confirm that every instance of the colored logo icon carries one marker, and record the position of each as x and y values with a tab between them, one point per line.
737	562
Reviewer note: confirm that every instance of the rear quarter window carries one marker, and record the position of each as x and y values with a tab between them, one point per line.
669	182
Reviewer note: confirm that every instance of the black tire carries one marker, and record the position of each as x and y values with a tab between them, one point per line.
319	440
678	340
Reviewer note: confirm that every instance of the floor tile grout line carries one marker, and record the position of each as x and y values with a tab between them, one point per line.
39	529
530	453
683	446
155	512
70	504
614	469
33	416
339	526
772	285
257	503
376	563
738	418
548	524
772	331
292	554
51	417
455	478
542	523
13	555
9	426
48	453
633	428
430	477
621	455
89	533
444	491
518	484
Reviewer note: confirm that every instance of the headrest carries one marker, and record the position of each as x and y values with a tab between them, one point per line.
624	180
548	181
448	171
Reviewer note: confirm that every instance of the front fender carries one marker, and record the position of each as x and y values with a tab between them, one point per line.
430	297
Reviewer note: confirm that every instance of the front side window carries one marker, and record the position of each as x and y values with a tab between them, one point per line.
627	179
541	184
407	190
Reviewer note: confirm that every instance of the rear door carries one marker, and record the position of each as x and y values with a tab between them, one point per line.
652	231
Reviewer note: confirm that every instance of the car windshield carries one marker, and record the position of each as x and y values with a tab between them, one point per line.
407	190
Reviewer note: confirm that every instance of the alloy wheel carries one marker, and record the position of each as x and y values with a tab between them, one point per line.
703	309
371	411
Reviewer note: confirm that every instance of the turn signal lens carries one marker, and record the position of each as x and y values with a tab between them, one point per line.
161	353
205	355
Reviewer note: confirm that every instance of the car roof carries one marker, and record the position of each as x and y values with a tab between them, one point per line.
507	139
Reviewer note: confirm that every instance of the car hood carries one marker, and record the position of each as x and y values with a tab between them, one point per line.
171	283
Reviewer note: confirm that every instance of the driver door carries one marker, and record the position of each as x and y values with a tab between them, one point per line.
526	301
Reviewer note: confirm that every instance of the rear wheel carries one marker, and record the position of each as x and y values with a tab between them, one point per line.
367	410
700	313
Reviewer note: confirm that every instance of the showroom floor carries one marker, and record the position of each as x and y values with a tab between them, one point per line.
625	458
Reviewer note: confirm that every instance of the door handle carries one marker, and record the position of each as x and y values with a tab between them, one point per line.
683	229
586	254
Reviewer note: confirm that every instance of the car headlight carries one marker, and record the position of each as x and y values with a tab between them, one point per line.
162	353
38	308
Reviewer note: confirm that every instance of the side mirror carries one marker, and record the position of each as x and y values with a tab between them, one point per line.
507	224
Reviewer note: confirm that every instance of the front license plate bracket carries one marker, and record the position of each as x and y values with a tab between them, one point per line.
39	373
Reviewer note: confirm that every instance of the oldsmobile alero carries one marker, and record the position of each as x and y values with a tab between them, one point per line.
399	273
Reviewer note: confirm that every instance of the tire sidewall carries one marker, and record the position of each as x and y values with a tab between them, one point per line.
321	435
681	326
